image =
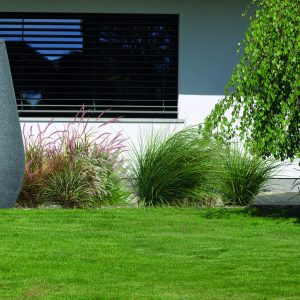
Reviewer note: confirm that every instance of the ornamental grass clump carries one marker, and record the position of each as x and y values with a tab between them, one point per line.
243	176
78	166
174	168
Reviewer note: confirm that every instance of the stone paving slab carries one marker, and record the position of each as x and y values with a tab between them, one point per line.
281	185
281	199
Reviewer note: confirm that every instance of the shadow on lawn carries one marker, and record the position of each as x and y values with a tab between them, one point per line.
286	212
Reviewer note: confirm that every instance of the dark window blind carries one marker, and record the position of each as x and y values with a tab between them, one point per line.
125	65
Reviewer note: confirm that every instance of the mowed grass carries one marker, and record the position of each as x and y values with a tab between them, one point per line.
148	254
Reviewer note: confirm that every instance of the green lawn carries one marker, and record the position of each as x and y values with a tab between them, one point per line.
148	254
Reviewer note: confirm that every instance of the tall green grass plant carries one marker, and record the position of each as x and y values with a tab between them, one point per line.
174	167
243	176
78	166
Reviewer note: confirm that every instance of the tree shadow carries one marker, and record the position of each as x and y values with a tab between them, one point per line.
275	212
263	211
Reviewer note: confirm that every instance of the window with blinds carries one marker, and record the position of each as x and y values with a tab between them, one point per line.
125	65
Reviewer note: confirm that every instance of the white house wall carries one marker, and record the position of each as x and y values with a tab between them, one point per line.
209	32
208	37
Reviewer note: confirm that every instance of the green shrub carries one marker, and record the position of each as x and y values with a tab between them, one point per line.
75	167
104	178
67	187
243	176
37	168
173	168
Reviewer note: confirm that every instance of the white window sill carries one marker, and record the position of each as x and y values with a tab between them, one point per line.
104	120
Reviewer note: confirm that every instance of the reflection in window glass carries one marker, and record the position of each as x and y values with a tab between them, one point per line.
127	64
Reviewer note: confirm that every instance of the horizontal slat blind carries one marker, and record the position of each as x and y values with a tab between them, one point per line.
125	65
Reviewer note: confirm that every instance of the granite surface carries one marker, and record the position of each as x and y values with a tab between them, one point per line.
11	144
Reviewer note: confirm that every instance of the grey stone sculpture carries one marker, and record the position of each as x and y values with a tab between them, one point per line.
11	144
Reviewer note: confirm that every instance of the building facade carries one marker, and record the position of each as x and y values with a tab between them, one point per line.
145	62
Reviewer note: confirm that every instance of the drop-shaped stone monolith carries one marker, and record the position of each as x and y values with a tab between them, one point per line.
11	144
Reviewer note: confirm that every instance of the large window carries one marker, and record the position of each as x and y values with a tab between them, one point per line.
125	65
